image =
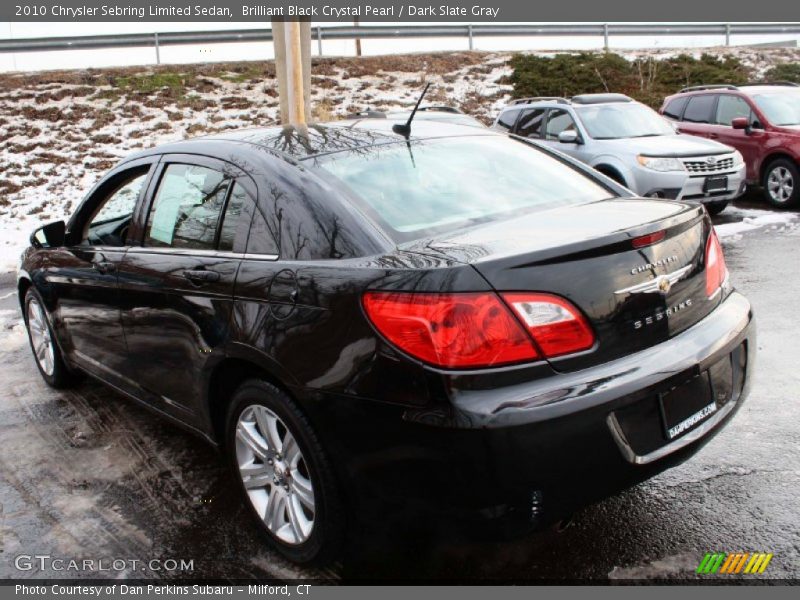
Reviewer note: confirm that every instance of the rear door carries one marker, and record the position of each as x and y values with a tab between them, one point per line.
698	115
559	120
177	283
531	123
505	122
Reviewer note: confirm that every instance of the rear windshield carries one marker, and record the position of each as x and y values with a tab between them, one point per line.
435	185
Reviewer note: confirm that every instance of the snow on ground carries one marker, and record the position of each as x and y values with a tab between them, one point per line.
748	219
12	330
60	131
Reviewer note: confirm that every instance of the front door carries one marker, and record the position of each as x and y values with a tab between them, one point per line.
177	286
559	120
730	107
83	277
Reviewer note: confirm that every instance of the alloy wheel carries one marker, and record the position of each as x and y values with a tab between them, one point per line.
41	340
275	474
780	185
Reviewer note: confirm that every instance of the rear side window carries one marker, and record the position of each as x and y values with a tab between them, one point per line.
530	123
558	121
230	220
699	109
508	118
187	208
730	108
674	108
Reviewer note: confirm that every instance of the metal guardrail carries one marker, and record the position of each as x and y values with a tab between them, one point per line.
470	31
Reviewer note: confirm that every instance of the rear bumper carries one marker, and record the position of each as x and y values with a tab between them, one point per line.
639	374
533	452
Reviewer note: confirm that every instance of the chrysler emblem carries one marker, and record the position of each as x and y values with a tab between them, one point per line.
659	285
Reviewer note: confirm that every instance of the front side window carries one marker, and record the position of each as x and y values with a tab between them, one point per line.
618	121
530	123
699	109
730	108
558	121
446	184
109	224
187	208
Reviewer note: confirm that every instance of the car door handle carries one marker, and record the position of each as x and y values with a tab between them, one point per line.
713	136
104	267
201	276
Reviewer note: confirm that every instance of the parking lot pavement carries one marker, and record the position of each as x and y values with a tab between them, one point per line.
87	474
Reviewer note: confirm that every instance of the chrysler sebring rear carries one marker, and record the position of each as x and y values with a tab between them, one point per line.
455	324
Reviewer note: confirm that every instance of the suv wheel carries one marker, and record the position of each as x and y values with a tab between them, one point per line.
43	343
782	183
283	472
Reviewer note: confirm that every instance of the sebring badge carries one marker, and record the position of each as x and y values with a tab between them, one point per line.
660	285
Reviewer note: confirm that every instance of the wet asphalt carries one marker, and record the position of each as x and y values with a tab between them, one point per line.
87	474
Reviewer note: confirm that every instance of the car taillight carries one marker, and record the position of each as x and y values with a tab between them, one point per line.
716	271
556	325
458	330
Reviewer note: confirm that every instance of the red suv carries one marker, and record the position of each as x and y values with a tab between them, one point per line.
762	121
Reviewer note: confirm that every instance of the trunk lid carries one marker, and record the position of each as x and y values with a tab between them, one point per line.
585	254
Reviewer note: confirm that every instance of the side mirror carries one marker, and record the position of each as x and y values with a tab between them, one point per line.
741	123
569	137
51	235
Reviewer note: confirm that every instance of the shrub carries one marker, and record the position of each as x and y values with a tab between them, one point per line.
784	72
646	79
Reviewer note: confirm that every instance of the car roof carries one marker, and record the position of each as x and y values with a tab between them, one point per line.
747	89
300	143
767	89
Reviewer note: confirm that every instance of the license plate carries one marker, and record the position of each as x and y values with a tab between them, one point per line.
715	184
686	406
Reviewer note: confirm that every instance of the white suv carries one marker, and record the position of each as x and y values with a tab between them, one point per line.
632	144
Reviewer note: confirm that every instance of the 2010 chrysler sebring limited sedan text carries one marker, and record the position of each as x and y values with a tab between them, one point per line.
454	323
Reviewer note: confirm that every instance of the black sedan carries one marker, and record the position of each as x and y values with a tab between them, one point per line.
450	323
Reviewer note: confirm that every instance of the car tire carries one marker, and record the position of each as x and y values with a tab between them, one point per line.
781	183
714	208
293	497
46	351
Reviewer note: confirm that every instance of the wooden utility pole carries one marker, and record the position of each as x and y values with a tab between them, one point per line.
292	41
358	39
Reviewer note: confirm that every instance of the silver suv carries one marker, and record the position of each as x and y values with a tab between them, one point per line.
632	144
